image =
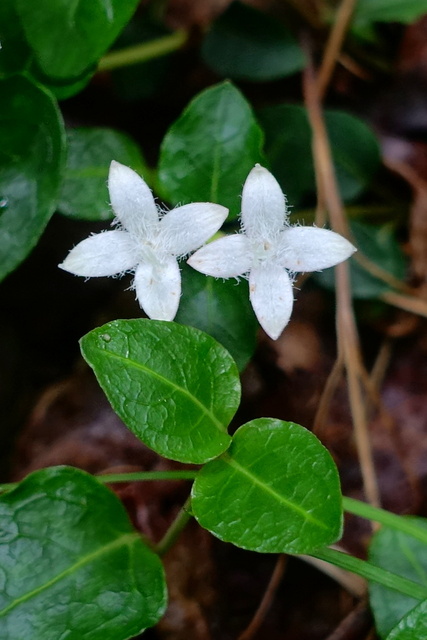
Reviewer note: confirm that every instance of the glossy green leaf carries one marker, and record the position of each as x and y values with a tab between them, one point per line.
174	387
407	11
72	566
379	244
288	141
222	309
247	44
406	556
84	192
413	625
275	490
67	38
208	152
31	160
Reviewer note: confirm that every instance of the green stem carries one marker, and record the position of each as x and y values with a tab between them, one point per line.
372	573
142	52
177	526
400	523
138	476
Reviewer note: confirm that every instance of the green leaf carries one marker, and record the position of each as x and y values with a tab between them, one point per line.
247	44
407	11
72	566
379	244
208	152
14	52
222	309
406	556
275	490
67	38
174	387
84	192
31	160
355	151
413	626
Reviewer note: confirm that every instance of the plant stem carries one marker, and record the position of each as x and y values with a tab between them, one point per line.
372	573
137	476
177	526
388	519
143	52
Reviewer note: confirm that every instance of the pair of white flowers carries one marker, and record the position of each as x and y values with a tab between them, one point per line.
268	249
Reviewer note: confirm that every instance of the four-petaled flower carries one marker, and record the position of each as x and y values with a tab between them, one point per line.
145	243
270	250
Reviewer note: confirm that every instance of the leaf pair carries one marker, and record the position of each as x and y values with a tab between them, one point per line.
270	487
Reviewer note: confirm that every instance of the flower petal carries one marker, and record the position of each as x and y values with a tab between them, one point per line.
311	248
270	290
225	258
132	201
263	205
186	228
104	254
158	288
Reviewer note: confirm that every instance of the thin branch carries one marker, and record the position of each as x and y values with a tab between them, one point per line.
348	339
267	599
334	44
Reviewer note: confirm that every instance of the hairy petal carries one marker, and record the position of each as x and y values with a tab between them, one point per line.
132	201
270	290
104	254
225	258
186	228
158	288
311	248
263	205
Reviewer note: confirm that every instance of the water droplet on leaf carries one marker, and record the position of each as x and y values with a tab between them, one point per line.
106	337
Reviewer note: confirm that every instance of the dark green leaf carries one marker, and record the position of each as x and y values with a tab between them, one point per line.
355	151
222	309
413	625
275	490
139	81
407	11
247	44
84	191
72	566
14	52
406	556
379	244
67	38
208	152
174	387
31	160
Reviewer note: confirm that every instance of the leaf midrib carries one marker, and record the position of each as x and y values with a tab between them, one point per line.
259	483
123	540
167	381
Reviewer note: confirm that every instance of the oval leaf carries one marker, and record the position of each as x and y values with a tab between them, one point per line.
247	44
72	566
275	490
355	151
84	192
69	37
174	387
208	152
31	160
221	309
413	626
408	557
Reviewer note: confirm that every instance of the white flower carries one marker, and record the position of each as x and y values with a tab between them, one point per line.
270	250
145	243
